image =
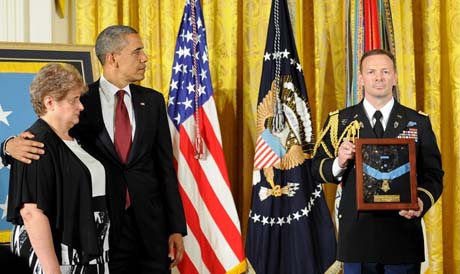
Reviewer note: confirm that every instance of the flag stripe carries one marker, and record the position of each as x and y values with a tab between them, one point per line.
219	244
262	149
210	229
210	110
213	143
209	259
259	141
186	263
267	158
220	186
262	153
218	212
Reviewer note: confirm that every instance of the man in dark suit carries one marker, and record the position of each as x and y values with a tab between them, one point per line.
146	212
378	241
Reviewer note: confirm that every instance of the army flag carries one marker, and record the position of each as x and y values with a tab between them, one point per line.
369	25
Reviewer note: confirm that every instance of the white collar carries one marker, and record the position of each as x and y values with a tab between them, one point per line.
385	110
109	90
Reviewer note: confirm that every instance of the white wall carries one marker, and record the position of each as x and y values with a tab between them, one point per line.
13	20
34	21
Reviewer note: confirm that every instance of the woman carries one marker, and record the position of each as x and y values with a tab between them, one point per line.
57	204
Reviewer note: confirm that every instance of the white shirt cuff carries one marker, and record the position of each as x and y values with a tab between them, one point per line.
337	171
4	145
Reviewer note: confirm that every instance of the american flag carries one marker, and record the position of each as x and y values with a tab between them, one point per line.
213	244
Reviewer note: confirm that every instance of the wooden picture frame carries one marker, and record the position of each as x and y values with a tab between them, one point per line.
19	62
386	174
30	57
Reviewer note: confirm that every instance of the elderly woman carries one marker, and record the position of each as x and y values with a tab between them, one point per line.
57	204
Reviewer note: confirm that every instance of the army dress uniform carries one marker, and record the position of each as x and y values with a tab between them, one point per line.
379	236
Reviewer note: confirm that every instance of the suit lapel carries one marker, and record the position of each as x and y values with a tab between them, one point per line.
94	109
396	122
366	130
139	106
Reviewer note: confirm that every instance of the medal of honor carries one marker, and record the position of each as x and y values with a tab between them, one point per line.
385	185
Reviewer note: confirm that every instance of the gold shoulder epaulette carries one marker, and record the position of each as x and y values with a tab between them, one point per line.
422	113
334	112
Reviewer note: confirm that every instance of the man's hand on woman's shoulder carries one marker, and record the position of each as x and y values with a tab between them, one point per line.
23	149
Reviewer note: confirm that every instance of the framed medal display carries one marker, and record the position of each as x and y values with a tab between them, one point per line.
386	174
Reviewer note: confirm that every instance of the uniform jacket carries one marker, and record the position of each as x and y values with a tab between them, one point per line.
380	236
149	172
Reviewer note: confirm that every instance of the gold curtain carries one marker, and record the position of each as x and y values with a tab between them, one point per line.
428	62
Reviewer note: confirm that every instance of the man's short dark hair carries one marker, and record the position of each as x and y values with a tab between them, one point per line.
377	52
112	39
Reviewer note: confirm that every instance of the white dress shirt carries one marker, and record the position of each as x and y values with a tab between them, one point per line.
385	110
107	92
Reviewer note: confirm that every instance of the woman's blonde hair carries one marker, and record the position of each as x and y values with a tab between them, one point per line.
55	80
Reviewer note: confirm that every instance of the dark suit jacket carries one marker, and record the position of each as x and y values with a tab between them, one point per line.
384	236
149	172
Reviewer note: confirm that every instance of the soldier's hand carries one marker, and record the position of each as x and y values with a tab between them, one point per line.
410	214
346	153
